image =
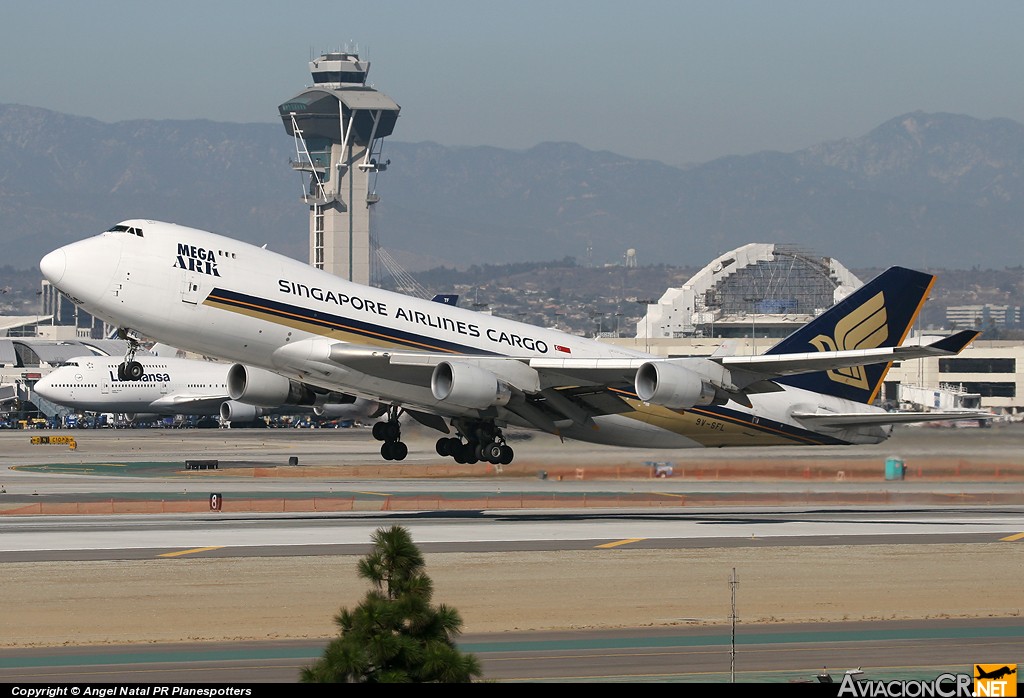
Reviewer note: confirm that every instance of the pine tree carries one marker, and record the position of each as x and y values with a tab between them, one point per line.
395	635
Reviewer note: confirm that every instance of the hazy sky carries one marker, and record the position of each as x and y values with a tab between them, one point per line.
675	81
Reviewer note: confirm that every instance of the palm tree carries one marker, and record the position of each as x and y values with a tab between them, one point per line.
395	635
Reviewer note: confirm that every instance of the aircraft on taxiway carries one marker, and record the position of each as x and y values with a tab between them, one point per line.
173	386
454	369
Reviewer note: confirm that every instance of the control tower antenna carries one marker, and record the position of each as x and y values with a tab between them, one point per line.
339	124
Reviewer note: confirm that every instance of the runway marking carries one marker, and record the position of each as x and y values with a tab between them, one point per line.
375	494
620	542
189	552
1015	536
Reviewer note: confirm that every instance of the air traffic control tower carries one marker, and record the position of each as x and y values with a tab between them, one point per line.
339	125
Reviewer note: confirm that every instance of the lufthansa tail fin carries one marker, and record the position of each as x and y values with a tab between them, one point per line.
878	314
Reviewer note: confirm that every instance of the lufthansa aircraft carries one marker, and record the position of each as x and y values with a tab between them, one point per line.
468	374
172	386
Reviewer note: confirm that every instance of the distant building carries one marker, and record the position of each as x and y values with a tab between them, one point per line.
986	315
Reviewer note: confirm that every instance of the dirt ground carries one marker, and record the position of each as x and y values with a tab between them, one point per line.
168	600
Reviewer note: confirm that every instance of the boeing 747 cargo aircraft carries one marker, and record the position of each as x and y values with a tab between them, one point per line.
469	375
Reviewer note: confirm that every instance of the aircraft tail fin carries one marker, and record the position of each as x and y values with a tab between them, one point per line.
878	314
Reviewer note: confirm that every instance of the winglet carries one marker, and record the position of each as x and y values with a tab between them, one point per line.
955	343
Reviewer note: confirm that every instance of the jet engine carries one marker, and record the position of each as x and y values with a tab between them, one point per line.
671	385
234	411
256	386
468	386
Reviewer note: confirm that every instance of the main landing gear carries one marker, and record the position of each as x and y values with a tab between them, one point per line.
129	369
477	440
483	442
390	432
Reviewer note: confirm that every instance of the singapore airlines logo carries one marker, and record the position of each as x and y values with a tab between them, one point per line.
864	328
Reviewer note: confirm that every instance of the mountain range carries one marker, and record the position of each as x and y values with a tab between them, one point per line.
927	190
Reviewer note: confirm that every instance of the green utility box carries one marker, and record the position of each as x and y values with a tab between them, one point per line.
894	468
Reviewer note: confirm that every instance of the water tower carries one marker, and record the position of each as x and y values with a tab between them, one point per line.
339	125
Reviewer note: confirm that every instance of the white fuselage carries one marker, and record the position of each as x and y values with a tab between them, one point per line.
169	386
224	298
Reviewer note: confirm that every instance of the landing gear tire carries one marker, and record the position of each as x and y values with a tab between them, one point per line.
506	455
442	447
380	430
490	452
120	372
399	450
133	371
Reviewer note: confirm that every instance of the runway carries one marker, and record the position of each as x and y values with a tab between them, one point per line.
218	535
617	521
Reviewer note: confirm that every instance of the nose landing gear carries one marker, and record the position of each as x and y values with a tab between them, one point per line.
129	369
477	440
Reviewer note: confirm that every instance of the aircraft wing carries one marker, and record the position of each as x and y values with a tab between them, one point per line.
734	374
548	389
777	365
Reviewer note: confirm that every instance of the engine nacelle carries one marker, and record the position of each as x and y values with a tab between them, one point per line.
234	411
468	386
255	386
672	386
132	417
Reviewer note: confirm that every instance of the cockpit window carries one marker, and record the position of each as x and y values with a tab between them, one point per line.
126	229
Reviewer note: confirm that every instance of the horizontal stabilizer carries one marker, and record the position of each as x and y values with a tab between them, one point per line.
824	420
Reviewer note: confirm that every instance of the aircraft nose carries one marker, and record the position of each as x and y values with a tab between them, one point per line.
83	270
54	265
43	385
